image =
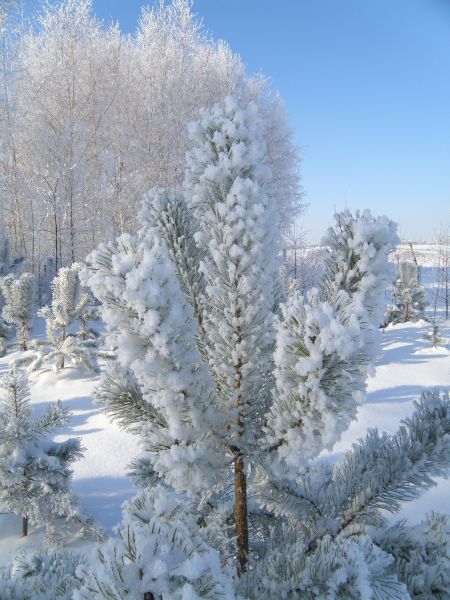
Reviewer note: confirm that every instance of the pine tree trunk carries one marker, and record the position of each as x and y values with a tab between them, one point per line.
23	335
241	517
149	596
63	337
24	526
240	484
83	329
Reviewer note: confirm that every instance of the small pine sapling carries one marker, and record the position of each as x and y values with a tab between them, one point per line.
63	347
34	471
58	350
434	336
18	309
408	296
68	304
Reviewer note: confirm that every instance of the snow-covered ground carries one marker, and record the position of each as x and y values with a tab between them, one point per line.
406	367
100	479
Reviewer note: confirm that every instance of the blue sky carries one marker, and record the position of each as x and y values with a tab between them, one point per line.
367	88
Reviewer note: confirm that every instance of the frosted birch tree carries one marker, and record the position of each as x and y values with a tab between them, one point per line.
96	118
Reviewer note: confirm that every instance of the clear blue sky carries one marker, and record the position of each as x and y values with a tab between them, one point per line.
367	88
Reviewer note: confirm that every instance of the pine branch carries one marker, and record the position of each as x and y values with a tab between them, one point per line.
67	451
15	405
283	498
383	471
124	402
56	416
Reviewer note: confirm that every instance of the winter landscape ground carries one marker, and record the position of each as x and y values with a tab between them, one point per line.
406	367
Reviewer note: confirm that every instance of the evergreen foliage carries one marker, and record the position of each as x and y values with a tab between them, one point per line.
62	346
69	301
326	343
408	295
18	309
59	349
5	332
154	335
235	390
42	576
421	555
434	336
34	471
160	550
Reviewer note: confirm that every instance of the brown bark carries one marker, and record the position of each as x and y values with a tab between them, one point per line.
63	337
24	334
149	596
24	526
240	486
241	516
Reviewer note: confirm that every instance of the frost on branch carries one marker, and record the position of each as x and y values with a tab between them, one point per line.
42	576
326	343
159	551
152	326
225	185
63	346
422	555
169	214
320	366
345	504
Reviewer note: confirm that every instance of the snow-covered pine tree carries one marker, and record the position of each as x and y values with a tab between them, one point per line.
69	301
58	349
239	275
5	332
61	347
5	266
434	335
225	186
34	471
18	309
408	296
196	377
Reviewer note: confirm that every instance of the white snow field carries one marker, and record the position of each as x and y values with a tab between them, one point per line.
407	366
